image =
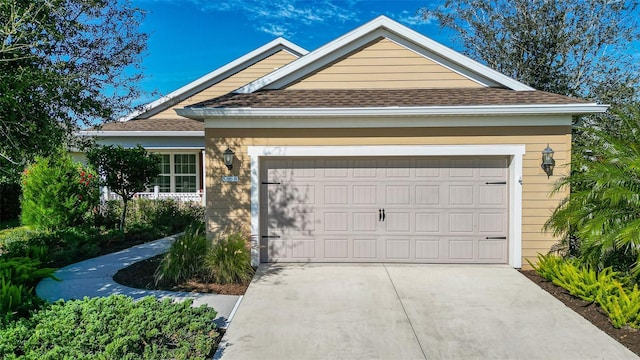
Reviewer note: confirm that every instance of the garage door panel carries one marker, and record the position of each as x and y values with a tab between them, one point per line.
365	194
427	194
365	221
493	223
336	221
428	249
303	248
492	250
461	222
336	249
397	221
397	249
492	195
438	210
461	195
427	222
277	249
461	249
397	194
365	249
428	168
336	194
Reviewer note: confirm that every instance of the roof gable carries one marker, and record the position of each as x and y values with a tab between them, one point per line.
384	64
216	76
369	33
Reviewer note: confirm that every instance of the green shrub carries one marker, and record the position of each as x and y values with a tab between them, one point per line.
623	306
229	259
115	327
53	248
18	278
606	288
58	192
166	216
185	257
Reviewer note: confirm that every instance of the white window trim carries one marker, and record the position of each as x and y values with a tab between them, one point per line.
514	151
172	175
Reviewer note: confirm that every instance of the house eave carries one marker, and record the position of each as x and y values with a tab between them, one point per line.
377	112
102	134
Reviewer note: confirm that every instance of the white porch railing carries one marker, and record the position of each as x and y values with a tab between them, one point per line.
157	195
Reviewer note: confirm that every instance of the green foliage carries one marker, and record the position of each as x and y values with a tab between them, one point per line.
167	216
115	327
18	278
623	307
229	259
125	171
64	64
185	257
150	220
606	288
571	47
58	193
53	248
603	210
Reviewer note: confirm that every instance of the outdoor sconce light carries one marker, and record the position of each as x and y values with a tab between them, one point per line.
227	156
547	161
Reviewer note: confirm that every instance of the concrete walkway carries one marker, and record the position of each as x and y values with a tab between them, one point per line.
94	277
384	311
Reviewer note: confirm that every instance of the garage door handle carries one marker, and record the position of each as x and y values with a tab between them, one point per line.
270	236
379	214
383	215
496	183
496	237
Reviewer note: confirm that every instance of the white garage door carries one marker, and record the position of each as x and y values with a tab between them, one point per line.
414	210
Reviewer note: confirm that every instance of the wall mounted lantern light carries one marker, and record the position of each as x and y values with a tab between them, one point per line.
547	161
227	156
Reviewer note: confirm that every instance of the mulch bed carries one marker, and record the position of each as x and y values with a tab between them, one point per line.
627	336
140	276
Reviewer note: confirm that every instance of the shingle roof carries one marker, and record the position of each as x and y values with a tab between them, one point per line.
385	98
177	124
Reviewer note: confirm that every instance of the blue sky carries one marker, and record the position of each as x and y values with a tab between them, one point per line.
190	38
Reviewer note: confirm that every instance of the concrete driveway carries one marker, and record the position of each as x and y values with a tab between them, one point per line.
384	311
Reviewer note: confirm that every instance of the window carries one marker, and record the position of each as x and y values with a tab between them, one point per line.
164	179
178	173
185	170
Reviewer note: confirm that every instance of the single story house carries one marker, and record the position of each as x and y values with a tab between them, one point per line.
380	146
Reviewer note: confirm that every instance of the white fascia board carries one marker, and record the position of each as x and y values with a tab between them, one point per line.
140	133
387	122
218	75
380	116
381	26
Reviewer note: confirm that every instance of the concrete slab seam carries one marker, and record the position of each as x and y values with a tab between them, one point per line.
405	311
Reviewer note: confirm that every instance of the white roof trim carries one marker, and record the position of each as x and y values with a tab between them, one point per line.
218	75
569	109
140	133
381	26
364	122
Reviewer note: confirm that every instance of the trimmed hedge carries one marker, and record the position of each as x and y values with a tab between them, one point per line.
115	327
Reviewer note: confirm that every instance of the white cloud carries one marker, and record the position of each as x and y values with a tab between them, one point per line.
414	18
283	17
275	30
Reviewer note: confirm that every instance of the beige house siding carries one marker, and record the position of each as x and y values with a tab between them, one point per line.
233	82
228	204
384	64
